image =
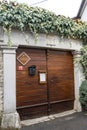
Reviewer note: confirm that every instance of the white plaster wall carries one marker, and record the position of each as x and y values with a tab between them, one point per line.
48	41
1	71
78	78
84	15
10	117
9	81
1	82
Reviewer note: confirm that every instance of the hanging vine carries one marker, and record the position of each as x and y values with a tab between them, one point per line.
38	20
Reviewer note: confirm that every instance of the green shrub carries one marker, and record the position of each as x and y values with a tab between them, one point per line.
83	60
83	93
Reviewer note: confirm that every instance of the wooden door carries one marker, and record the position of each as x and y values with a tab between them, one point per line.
35	99
31	95
60	80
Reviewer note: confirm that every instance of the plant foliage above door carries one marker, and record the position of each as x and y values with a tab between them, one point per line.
38	20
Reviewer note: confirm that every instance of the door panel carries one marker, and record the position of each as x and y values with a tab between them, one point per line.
60	80
56	95
30	94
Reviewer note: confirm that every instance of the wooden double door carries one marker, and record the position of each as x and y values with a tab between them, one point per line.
50	89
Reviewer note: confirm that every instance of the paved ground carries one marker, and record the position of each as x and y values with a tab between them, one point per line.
76	121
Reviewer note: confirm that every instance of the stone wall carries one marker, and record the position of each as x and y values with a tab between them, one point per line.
1	82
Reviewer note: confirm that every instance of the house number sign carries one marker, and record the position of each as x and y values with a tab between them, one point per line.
20	67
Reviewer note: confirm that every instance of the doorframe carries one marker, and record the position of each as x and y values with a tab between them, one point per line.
78	73
10	117
78	78
11	51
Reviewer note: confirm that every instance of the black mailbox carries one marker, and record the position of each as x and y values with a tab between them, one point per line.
32	70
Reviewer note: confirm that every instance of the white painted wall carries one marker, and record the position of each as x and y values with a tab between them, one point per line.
1	83
78	78
10	116
46	41
9	80
1	73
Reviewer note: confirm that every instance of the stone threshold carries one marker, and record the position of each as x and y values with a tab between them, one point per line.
46	118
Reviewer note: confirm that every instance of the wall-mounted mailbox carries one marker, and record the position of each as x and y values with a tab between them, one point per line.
32	70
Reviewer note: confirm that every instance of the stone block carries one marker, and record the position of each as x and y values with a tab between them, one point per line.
11	120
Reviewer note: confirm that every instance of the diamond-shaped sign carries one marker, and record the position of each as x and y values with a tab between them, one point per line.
23	58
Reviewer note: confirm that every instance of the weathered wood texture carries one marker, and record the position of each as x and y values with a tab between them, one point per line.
60	80
35	99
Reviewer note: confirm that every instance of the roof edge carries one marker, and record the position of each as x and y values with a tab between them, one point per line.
82	8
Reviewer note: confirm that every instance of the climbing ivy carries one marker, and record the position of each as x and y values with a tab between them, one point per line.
83	87
83	60
38	20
